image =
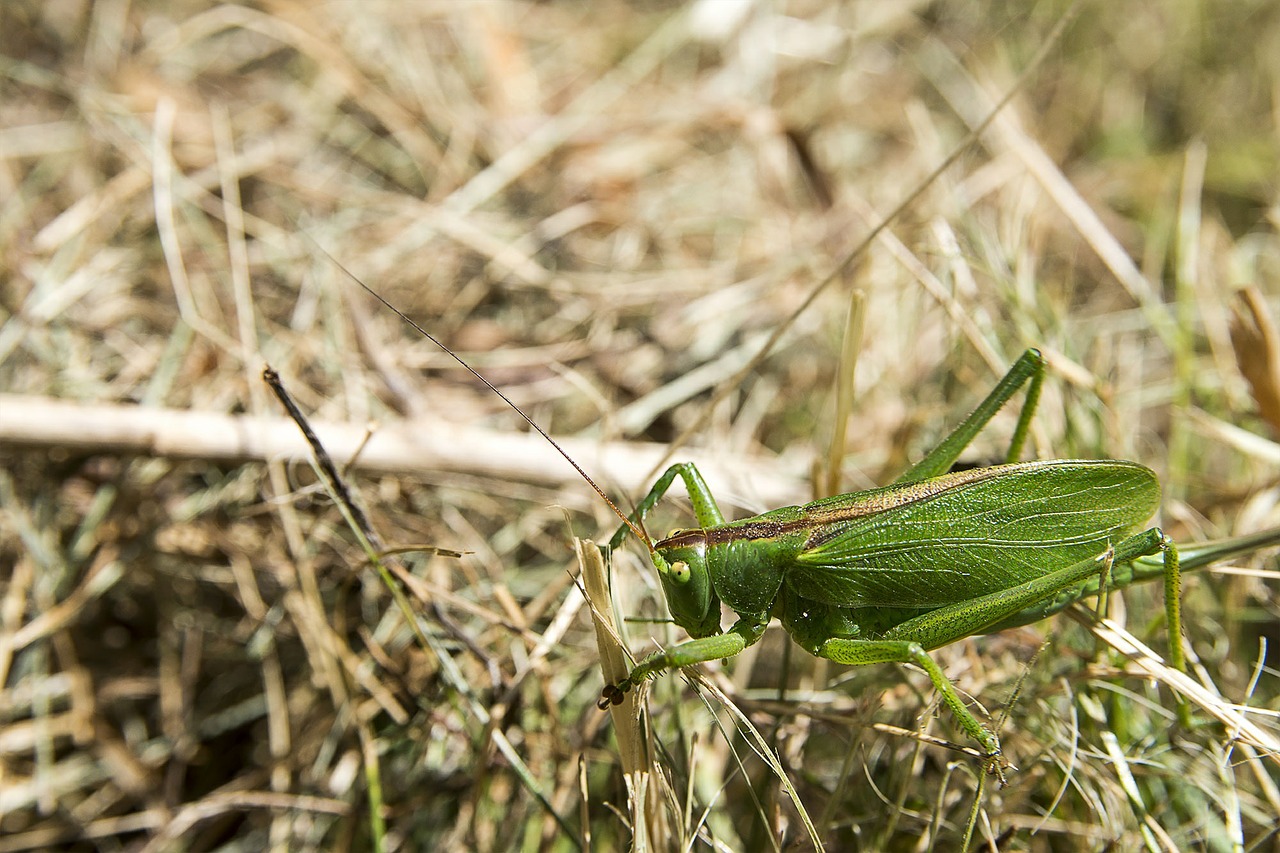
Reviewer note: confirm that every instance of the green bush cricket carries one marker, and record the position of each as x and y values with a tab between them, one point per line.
889	574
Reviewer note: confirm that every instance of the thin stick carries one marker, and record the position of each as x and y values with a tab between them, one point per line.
357	516
399	447
323	459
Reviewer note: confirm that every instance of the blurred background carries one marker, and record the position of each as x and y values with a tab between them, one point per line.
607	208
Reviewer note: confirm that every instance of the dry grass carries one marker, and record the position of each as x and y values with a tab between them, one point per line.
606	208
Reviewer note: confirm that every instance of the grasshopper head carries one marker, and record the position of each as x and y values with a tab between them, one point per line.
681	561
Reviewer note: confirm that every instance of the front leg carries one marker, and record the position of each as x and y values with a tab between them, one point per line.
745	632
704	504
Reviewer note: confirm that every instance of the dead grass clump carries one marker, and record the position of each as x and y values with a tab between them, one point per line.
607	208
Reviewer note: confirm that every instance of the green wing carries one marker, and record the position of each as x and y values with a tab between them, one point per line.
951	538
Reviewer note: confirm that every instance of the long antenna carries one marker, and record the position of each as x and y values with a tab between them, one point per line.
640	534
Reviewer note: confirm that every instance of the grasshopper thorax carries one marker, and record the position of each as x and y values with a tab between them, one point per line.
681	561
